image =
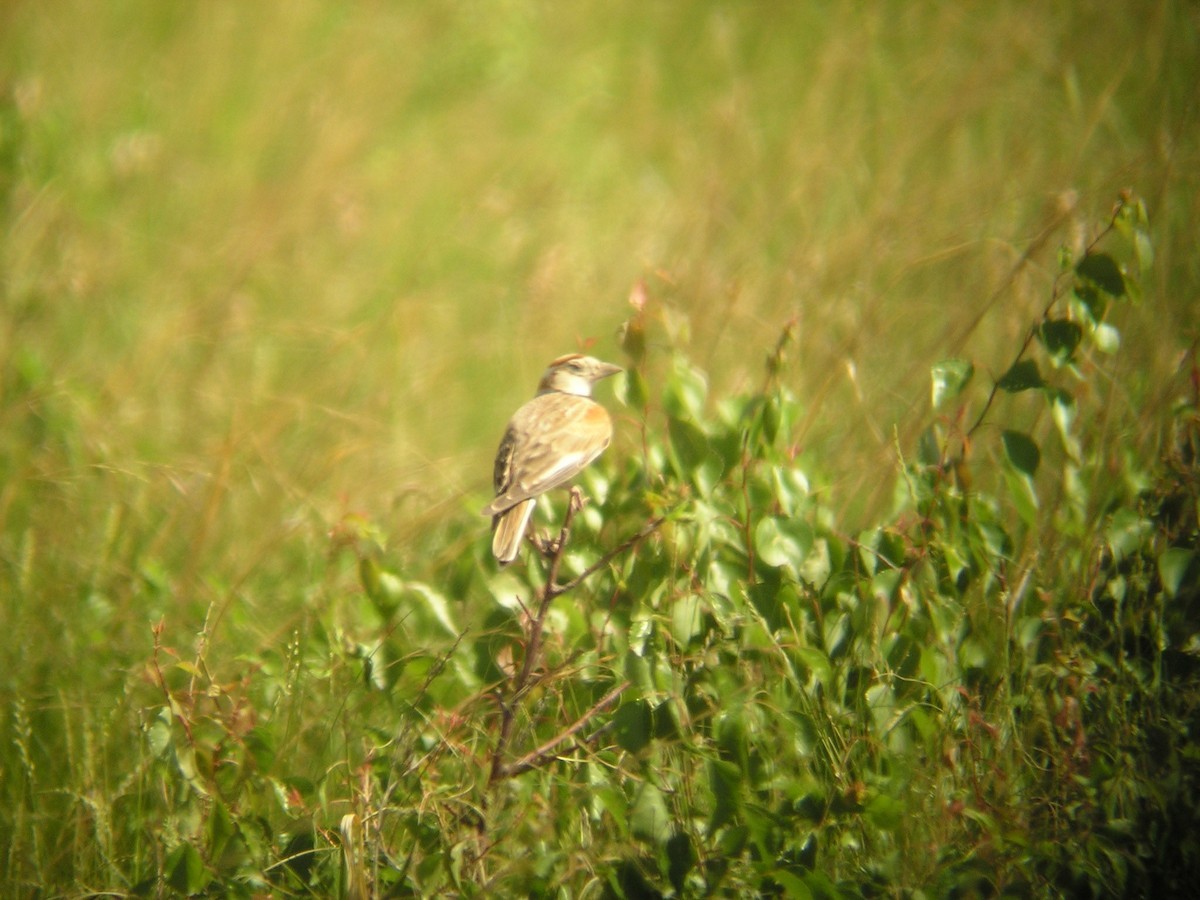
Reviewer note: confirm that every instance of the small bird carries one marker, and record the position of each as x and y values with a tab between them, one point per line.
549	441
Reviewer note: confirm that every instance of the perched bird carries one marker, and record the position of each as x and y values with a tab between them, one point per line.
549	441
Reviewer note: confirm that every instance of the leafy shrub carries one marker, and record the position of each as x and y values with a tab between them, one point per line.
708	685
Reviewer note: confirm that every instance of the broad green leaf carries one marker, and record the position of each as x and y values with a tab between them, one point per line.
818	665
972	654
933	668
793	886
185	759
632	724
638	671
1021	451
1062	409
781	541
220	830
949	377
1089	303
1106	338
1023	494
1144	250
790	486
1023	376
1028	631
694	458
882	705
1173	566
769	417
1102	270
649	819
724	780
688	442
681	859
687	619
185	870
158	735
1126	532
1060	337
836	630
607	799
260	742
818	564
631	390
686	391
929	446
437	604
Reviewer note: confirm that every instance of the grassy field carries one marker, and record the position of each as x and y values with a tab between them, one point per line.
277	272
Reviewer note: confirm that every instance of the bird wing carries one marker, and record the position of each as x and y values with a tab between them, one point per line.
548	442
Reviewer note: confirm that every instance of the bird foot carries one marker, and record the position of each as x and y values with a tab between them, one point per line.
551	547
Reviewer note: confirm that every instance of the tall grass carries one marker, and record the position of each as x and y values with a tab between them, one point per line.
267	265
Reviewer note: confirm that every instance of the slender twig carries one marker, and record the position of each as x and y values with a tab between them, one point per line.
649	528
546	752
555	550
1055	293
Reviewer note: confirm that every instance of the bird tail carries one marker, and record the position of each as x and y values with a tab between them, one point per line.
508	529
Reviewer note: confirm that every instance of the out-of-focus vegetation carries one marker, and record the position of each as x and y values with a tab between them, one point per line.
272	277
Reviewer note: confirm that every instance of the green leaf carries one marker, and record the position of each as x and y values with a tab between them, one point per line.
732	740
1144	250
769	416
685	391
972	654
1023	376
1106	338
835	630
649	819
817	665
220	830
1062	410
687	619
1173	566
781	541
1089	304
159	735
631	389
1024	495
1102	271
681	859
1126	532
1021	452
950	377
724	780
437	604
1060	337
185	870
793	886
632	724
693	458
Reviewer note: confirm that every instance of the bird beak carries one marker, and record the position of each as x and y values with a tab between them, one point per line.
603	370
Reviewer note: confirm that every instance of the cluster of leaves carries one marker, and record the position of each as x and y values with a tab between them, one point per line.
708	687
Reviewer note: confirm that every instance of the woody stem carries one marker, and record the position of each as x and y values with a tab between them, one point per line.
533	646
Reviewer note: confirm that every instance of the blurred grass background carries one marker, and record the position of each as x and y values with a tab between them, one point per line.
266	264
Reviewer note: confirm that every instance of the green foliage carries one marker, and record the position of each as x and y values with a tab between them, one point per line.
256	318
744	699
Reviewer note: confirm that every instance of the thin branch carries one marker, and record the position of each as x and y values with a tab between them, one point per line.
546	752
1055	293
648	529
555	551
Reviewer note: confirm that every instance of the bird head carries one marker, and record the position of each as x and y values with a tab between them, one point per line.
574	374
